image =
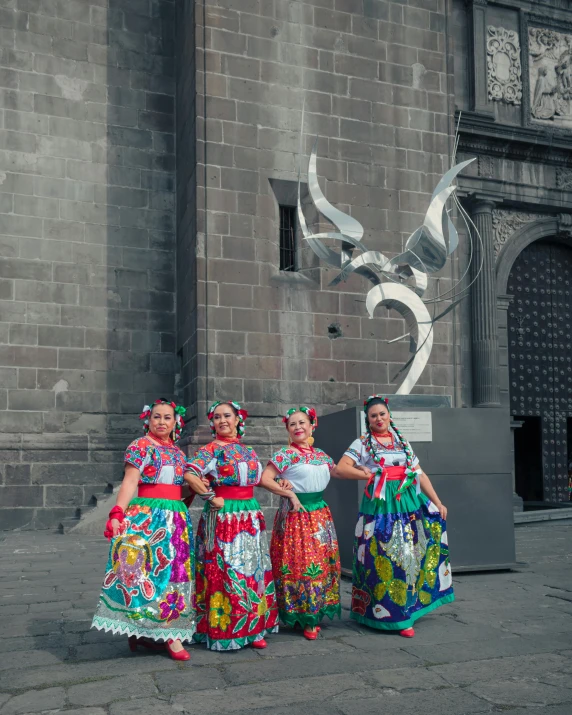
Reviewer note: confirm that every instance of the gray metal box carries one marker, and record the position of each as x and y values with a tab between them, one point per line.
469	464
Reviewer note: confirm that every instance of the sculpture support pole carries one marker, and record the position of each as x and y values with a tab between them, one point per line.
485	342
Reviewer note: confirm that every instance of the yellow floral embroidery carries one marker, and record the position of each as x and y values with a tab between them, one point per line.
398	591
431	577
424	597
220	609
262	607
379	591
436	532
384	568
432	557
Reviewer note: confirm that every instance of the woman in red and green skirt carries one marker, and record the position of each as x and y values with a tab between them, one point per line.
304	547
236	600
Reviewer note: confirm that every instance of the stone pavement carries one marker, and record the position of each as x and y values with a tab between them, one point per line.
505	644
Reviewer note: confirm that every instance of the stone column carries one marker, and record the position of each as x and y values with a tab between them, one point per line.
485	341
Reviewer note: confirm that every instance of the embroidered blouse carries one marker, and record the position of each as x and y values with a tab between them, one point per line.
307	471
357	452
230	465
157	464
396	457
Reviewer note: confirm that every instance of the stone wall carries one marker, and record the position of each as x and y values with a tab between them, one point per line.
375	78
87	331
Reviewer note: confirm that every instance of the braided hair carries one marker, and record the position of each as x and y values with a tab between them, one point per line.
369	440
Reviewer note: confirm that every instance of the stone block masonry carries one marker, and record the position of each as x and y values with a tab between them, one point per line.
375	79
139	245
87	241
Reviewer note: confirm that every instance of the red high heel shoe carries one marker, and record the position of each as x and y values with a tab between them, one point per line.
407	633
177	655
259	644
311	635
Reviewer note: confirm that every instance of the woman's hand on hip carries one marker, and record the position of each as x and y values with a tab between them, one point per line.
296	504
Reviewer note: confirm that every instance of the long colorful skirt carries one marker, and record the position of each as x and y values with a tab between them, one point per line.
236	599
401	568
148	586
306	562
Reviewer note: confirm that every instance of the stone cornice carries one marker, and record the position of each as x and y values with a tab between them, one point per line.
482	136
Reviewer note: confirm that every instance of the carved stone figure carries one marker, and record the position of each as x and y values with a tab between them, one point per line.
550	63
503	65
542	106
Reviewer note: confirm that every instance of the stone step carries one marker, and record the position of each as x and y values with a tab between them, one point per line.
68	524
529	517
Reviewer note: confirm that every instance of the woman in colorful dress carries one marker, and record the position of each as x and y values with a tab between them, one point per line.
401	568
304	546
236	600
148	589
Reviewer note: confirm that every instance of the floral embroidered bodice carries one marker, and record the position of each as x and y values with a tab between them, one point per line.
157	464
394	457
308	471
230	465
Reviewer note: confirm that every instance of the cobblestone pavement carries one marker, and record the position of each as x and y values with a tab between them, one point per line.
505	644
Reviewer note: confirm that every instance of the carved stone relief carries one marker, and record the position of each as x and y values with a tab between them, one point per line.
564	177
503	65
550	63
505	223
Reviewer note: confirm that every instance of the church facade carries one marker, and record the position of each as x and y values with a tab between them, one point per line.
150	244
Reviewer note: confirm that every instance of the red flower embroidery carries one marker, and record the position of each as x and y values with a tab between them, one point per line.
149	470
226	470
360	601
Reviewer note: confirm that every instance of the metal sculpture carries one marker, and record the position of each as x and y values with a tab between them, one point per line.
399	282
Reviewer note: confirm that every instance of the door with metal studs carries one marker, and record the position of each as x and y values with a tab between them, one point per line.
540	367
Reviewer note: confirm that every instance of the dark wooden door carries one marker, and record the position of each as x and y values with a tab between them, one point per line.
540	361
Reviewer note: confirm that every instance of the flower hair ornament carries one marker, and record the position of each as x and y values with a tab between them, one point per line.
310	413
242	415
179	410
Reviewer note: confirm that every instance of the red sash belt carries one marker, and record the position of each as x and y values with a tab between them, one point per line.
234	492
160	491
389	474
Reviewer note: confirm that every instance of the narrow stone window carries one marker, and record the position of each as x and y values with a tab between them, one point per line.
287	238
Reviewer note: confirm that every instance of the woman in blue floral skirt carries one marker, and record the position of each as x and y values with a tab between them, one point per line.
401	568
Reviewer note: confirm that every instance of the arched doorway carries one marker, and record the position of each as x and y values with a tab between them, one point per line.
540	369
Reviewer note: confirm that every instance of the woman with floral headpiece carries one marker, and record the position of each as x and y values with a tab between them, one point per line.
236	600
304	546
401	567
148	589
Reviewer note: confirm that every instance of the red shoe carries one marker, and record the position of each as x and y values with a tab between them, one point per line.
407	633
177	655
259	644
311	635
